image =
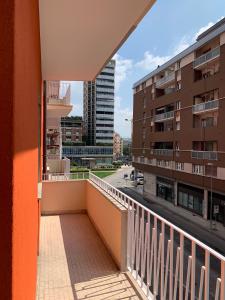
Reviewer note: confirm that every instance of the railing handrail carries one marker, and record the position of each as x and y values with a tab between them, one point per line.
176	228
64	176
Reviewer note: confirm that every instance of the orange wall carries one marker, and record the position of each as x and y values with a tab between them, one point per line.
20	78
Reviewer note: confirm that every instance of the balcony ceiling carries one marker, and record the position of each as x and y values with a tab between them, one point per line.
79	36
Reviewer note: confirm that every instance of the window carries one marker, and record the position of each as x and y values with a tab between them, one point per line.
143	85
178	85
144	102
178	105
178	125
197	169
144	133
144	118
179	166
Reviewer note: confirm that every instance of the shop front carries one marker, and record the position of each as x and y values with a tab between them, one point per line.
217	207
165	189
190	198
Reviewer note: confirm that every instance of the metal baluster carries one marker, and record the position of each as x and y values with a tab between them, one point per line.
207	272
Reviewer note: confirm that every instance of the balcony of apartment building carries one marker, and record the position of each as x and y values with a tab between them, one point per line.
98	243
162	149
58	96
165	82
206	61
206	103
164	118
205	150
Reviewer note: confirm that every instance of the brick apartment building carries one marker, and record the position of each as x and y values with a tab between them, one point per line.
178	132
72	130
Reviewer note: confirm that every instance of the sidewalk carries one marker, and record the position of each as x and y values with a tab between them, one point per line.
188	221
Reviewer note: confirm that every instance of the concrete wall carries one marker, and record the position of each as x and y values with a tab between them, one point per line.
20	85
60	197
108	216
149	184
110	220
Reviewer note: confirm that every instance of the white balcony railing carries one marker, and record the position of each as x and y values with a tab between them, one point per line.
206	57
166	79
210	155
165	152
167	262
65	176
165	116
205	106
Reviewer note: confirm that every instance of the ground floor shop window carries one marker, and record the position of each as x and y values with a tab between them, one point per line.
218	207
165	190
190	199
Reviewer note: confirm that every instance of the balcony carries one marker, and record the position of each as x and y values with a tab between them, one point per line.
89	229
161	83
58	99
165	116
209	155
205	106
163	152
206	58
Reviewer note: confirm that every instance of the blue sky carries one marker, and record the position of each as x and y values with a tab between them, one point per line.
168	28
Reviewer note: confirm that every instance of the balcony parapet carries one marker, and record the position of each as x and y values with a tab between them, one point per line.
205	58
163	152
209	155
165	80
137	239
165	116
205	106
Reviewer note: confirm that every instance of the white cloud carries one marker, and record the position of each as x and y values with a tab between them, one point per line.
202	29
150	61
123	67
120	114
181	46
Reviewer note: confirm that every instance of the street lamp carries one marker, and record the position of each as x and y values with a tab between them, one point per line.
211	197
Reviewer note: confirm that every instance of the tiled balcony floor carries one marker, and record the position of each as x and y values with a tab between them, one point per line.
74	263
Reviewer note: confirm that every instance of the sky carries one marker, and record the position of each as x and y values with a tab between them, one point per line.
167	29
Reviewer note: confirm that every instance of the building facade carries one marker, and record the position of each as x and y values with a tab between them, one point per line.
178	130
99	107
58	106
98	110
117	146
72	130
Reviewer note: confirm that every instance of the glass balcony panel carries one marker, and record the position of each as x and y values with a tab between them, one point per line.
205	106
206	57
